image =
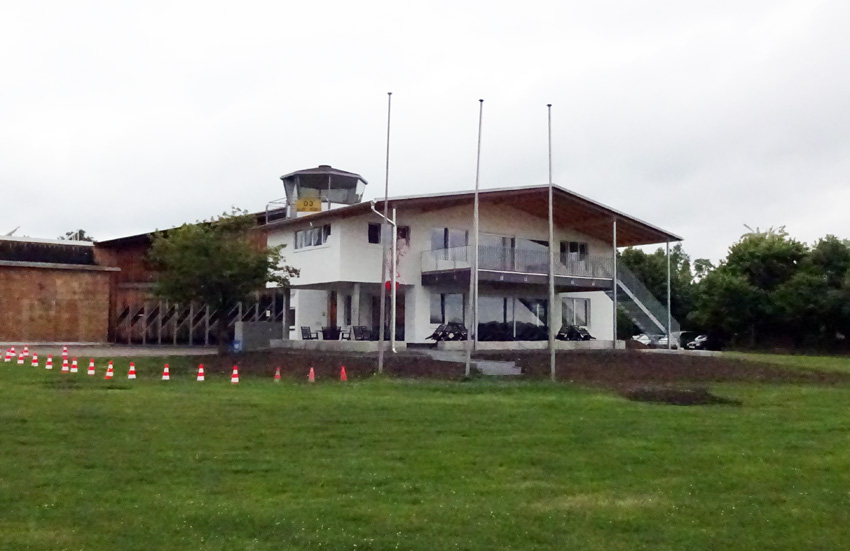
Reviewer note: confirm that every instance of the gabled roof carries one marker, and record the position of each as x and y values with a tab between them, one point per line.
569	210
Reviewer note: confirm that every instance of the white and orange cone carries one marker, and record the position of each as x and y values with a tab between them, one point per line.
49	364
91	367
166	376
277	375
234	377
26	351
132	373
200	373
109	371
34	362
342	376
311	378
74	366
65	367
12	351
64	352
8	355
21	358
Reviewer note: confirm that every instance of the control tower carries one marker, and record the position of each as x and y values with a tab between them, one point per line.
321	188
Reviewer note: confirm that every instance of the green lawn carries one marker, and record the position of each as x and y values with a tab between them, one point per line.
826	363
394	464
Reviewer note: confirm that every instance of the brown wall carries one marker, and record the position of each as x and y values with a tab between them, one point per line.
53	305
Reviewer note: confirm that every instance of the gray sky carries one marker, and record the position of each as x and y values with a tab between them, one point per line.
696	116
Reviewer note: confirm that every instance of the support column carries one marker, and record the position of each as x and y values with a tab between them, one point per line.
355	305
669	315
287	299
614	246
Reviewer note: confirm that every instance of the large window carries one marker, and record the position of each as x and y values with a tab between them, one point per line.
312	237
573	250
447	308
446	238
375	231
575	311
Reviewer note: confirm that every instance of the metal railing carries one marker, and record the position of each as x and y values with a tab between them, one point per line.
510	259
640	304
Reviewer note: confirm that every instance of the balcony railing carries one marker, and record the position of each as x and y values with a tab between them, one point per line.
523	261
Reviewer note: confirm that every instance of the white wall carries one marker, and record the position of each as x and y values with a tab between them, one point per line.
601	323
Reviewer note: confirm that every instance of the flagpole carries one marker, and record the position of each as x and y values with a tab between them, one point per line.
472	335
551	258
384	234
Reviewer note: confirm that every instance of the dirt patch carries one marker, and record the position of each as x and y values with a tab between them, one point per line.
677	396
628	368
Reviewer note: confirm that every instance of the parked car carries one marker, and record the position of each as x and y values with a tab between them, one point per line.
648	340
704	342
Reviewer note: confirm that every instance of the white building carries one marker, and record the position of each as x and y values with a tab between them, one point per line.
339	250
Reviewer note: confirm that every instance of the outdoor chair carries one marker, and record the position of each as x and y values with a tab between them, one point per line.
330	333
361	333
308	335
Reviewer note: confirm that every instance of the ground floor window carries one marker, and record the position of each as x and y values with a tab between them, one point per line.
447	308
575	311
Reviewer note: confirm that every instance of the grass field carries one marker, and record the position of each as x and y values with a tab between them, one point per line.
424	465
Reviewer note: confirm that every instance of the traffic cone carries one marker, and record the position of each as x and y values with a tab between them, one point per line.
26	351
12	350
65	368
109	371
201	372
277	375
234	377
166	376
64	352
8	355
49	364
342	376
132	373
21	358
311	378
74	366
91	367
34	360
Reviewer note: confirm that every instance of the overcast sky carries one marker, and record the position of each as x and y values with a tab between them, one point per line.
696	116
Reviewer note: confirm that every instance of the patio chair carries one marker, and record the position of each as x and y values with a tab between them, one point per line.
308	335
361	333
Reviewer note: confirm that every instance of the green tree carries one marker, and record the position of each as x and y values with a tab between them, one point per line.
651	269
219	263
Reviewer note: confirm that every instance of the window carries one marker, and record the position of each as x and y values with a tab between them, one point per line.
447	308
575	311
346	310
292	319
375	233
446	238
312	237
573	250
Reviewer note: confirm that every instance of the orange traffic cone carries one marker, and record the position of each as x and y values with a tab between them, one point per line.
342	376
21	358
132	373
65	368
277	375
8	355
166	376
34	360
12	350
234	378
49	364
201	372
74	366
26	351
64	352
109	371
91	367
311	378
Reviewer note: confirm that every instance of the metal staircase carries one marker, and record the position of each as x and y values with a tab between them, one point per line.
640	305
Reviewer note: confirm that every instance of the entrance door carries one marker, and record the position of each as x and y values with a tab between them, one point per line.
331	308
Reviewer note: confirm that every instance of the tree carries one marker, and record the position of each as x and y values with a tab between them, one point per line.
651	269
76	235
218	263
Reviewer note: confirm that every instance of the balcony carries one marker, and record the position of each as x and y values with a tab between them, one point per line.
516	265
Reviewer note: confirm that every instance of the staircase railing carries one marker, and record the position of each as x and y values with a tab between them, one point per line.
645	311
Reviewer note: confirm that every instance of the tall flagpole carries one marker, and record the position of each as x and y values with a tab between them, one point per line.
384	235
551	259
472	335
